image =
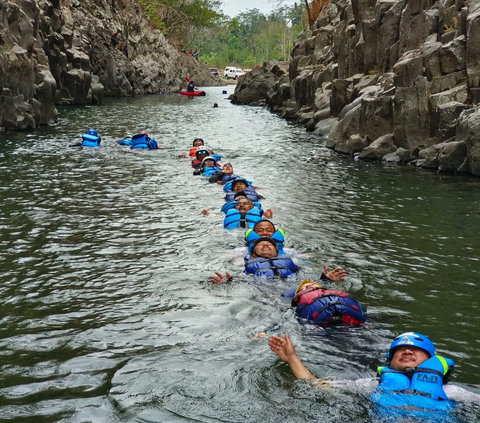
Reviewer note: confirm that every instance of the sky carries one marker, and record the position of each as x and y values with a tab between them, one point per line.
234	7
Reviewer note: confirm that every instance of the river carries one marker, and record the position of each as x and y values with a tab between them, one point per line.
108	314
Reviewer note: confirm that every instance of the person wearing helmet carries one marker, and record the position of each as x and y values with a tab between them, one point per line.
200	153
412	384
207	168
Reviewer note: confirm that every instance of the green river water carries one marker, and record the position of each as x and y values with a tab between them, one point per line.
107	311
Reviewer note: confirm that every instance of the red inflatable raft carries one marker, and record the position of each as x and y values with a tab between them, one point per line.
194	94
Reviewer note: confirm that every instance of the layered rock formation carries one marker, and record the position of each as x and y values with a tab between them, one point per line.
60	52
400	78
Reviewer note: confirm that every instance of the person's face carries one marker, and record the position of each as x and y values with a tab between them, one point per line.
227	168
264	229
408	356
243	205
265	249
197	143
208	163
239	186
308	286
202	154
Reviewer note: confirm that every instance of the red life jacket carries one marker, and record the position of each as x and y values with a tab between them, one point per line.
325	306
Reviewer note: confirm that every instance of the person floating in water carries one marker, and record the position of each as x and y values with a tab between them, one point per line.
413	384
264	261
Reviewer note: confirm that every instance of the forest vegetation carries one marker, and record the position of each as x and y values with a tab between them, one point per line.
247	40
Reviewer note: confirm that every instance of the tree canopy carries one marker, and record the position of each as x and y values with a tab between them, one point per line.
247	40
250	38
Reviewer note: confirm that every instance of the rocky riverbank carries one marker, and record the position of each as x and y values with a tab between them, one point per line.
59	52
395	80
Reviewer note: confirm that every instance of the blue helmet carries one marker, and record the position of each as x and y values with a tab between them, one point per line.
92	132
412	339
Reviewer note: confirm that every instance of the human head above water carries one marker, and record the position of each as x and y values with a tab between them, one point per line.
201	152
208	162
264	228
264	247
243	205
239	185
227	168
409	350
197	142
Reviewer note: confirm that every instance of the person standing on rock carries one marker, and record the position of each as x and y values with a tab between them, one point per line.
115	38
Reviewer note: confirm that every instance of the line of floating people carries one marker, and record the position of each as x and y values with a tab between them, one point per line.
412	384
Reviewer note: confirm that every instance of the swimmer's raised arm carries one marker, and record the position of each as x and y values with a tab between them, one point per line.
283	347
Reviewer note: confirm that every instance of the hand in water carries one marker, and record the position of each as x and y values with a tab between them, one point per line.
220	278
336	274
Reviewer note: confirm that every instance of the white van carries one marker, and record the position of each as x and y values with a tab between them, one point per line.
232	72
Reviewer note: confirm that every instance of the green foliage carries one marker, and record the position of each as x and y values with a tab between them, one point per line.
177	18
250	38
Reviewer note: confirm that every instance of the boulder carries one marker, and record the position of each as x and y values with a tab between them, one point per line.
400	156
254	87
376	117
407	69
452	56
345	128
451	156
379	148
473	48
411	114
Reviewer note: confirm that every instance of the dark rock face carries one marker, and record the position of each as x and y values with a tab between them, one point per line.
401	78
55	53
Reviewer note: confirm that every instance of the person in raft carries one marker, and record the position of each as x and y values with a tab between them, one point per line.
265	262
190	87
413	384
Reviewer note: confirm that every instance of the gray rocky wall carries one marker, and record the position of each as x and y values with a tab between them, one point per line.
398	81
58	52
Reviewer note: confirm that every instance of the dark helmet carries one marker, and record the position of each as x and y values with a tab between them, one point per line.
412	339
196	139
92	132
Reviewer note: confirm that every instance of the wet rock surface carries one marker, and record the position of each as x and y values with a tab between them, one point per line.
401	79
61	53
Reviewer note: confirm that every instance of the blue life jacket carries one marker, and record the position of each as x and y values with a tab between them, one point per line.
250	193
234	219
209	171
327	306
232	178
417	393
125	141
144	142
90	141
225	178
216	157
231	205
282	266
278	236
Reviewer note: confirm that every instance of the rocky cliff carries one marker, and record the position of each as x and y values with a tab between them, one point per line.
59	52
396	80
